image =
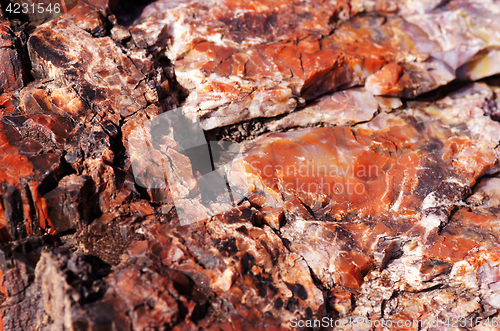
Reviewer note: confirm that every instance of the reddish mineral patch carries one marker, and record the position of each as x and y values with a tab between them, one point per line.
12	73
224	78
338	171
367	183
242	61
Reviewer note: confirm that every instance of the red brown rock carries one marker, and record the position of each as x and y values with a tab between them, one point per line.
458	268
238	264
21	304
344	203
272	78
47	127
253	70
96	68
25	178
384	177
12	73
52	120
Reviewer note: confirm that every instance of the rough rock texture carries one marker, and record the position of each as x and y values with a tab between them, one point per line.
350	197
388	179
96	68
347	107
12	73
241	60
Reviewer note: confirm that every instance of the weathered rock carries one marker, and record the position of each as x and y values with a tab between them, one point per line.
95	67
361	206
45	126
49	124
70	205
388	178
12	73
58	294
251	278
316	65
372	167
400	174
25	177
347	107
160	301
468	35
88	18
277	58
21	305
451	276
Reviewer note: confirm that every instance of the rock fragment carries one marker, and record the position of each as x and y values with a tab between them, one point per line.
12	72
361	205
68	204
96	68
347	107
388	179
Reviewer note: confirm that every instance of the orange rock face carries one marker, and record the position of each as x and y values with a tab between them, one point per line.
340	171
382	179
228	77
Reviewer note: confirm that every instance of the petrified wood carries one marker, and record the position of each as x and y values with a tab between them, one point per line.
246	165
242	60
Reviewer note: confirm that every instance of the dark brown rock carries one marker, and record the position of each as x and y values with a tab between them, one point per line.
109	221
239	263
22	306
12	73
88	18
70	205
58	294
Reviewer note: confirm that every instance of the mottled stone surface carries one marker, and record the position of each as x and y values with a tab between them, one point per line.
95	67
350	197
241	61
12	72
345	190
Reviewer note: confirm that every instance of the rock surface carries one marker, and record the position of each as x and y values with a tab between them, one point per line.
388	179
12	72
322	189
242	60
